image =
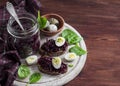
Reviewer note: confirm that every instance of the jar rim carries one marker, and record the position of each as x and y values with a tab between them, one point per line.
22	34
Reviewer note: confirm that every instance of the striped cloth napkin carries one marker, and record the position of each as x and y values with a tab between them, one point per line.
21	6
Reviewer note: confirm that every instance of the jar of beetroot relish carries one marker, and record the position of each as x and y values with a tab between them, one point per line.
27	41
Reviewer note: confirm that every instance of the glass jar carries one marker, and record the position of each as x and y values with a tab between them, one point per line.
27	41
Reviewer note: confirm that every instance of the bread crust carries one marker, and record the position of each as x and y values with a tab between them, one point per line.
47	71
58	53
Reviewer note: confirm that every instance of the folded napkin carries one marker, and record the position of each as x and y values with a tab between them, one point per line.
9	58
9	64
21	6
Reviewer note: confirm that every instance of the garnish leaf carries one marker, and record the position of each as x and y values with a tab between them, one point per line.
71	36
77	50
23	71
41	21
34	78
70	65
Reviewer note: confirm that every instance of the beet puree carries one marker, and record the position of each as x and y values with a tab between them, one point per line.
26	42
26	23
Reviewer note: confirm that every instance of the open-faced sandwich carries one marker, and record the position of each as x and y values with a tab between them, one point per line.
53	66
54	47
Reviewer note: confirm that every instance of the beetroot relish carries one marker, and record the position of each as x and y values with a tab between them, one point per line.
50	46
28	46
46	64
27	41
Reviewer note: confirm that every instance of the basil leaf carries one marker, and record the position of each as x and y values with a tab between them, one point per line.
34	78
23	71
71	36
77	50
41	21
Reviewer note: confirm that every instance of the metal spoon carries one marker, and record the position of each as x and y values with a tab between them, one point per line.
11	10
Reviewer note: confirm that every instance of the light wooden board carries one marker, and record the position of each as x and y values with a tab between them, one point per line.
58	80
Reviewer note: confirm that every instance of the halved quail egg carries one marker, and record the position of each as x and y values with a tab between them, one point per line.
30	60
60	41
56	62
70	56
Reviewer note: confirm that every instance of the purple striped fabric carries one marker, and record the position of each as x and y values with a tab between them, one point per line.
20	6
4	15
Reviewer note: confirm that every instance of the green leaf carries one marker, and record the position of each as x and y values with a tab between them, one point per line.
71	36
23	71
77	50
70	65
34	78
41	21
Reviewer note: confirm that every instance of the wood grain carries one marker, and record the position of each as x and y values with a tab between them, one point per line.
98	21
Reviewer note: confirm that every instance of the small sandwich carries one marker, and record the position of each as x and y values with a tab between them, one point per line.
52	66
54	47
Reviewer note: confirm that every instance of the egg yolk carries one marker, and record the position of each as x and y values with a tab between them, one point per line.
31	59
56	61
59	40
71	56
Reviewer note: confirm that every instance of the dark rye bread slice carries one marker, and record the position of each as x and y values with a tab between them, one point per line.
49	48
45	66
43	52
47	71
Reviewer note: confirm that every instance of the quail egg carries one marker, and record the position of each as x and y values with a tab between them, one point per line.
60	41
56	62
52	28
54	21
30	60
70	56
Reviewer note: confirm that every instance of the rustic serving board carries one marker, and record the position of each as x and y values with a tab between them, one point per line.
58	80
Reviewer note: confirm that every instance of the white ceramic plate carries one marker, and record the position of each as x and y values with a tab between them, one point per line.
58	80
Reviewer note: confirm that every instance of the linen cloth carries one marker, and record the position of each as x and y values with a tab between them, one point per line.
21	6
4	15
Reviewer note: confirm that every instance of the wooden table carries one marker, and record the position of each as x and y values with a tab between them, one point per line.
98	21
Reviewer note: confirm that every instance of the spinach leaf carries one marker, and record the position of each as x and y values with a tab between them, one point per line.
23	71
71	36
77	50
34	78
41	21
70	65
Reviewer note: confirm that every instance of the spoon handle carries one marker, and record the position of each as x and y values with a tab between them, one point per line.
11	10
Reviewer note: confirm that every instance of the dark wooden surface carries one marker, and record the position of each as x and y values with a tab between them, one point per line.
98	21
